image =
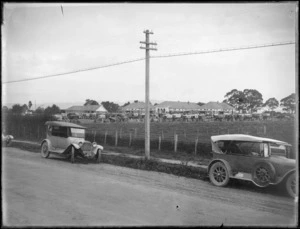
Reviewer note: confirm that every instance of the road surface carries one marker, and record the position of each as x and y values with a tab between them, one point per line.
53	192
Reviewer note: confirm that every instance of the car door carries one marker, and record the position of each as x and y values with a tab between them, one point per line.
59	138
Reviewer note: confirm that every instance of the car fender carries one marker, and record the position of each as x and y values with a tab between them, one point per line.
95	149
281	179
228	167
48	142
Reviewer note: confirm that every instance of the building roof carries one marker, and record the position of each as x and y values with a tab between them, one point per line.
137	105
86	108
178	105
66	124
246	138
216	106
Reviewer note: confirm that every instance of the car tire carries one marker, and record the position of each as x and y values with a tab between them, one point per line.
218	174
290	185
263	174
98	156
72	155
45	150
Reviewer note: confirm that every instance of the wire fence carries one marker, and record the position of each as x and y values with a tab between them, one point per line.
187	137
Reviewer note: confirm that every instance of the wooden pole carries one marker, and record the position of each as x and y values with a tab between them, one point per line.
175	142
130	139
196	145
116	139
159	143
95	135
135	132
265	129
162	135
105	137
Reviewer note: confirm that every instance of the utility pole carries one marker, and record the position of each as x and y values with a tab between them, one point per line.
147	119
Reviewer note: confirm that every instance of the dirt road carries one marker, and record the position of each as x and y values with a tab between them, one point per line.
54	192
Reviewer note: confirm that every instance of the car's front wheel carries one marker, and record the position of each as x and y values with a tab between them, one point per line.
290	185
45	150
218	174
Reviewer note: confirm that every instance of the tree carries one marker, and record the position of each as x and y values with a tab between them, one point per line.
110	106
136	101
289	103
200	103
272	103
126	104
90	102
253	99
40	110
52	110
29	104
17	109
236	99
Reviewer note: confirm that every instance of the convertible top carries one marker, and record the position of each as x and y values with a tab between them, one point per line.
66	124
245	138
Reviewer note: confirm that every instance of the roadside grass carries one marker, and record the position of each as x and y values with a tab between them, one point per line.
142	164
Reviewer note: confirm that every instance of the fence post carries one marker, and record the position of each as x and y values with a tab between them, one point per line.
135	132
121	133
38	132
130	139
95	135
24	132
196	145
105	137
175	142
227	130
162	134
265	129
184	133
116	139
159	142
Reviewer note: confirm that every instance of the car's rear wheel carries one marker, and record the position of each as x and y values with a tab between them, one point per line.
72	155
290	185
263	174
45	150
218	174
98	156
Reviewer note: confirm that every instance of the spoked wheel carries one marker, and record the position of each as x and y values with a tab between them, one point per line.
290	185
263	174
72	155
98	156
218	174
45	150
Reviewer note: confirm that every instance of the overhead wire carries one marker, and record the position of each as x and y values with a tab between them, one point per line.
155	56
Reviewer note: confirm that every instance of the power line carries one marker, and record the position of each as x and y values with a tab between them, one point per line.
160	56
76	71
224	50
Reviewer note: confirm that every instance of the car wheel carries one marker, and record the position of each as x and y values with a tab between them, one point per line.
72	155
45	150
290	185
218	174
263	174
98	156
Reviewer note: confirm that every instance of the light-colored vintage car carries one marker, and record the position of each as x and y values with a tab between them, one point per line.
262	161
6	139
68	140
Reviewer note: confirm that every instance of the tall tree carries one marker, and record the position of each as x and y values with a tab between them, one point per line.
289	103
110	106
200	103
29	104
125	104
272	103
90	102
17	109
52	110
253	99
236	99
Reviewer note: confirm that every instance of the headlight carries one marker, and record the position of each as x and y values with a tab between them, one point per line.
80	144
94	144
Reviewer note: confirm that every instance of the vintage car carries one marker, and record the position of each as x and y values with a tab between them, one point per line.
6	139
68	140
262	161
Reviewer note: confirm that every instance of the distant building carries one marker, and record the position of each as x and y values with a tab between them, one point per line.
216	107
172	107
137	107
86	109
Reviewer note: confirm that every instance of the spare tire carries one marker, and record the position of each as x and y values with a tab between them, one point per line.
263	173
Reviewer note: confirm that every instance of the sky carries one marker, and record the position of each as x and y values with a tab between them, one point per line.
53	38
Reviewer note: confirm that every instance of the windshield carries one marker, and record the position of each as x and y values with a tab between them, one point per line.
77	133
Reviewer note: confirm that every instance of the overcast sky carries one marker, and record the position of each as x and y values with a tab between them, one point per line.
40	40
